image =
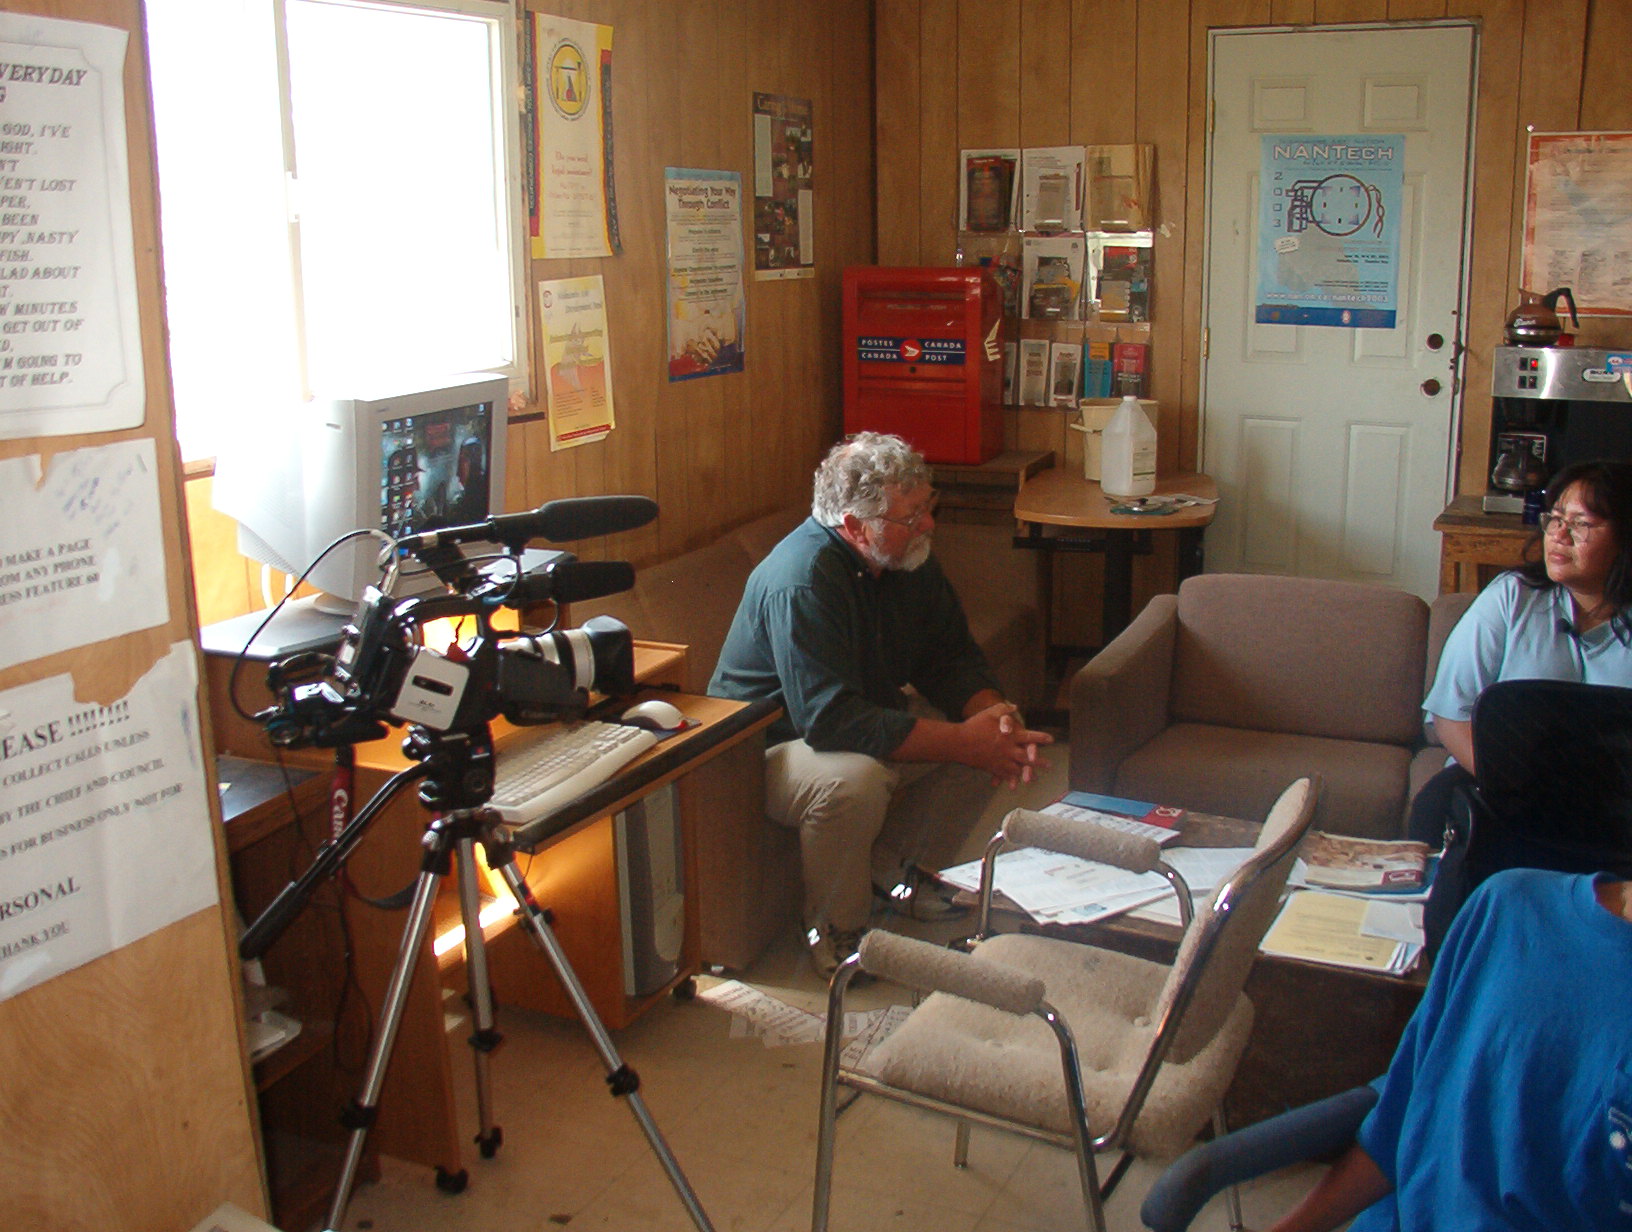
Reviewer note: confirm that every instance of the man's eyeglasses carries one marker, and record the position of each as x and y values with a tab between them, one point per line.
1577	530
917	516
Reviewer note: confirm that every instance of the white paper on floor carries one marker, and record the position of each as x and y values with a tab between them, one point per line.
776	1023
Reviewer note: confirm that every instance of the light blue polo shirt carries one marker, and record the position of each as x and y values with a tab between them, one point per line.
1514	632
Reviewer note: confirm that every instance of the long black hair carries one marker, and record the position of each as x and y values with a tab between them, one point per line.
1605	488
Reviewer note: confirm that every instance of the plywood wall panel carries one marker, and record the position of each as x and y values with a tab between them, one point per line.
1606	87
126	1103
1105	71
1047	68
897	125
1340	12
941	50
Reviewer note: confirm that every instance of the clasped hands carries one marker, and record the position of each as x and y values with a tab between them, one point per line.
1003	745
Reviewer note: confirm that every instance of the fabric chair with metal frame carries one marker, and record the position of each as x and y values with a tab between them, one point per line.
1076	1045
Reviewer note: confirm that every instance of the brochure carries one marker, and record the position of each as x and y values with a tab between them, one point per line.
1054	182
1340	862
1051	277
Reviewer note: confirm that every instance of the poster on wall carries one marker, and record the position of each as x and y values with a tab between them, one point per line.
574	208
1578	220
81	550
104	819
784	204
1329	230
707	312
577	360
70	336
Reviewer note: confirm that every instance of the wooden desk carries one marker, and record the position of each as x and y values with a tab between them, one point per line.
1317	1029
1474	545
1078	513
570	865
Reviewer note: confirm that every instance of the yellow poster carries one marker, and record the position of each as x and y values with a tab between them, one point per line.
578	360
574	209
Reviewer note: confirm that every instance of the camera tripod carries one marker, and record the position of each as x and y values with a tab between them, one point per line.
457	772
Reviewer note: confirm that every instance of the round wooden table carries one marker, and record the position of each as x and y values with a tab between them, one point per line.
1061	511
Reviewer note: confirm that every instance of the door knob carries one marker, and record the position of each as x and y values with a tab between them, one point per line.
1430	387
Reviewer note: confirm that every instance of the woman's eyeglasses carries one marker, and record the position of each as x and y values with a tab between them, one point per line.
1577	530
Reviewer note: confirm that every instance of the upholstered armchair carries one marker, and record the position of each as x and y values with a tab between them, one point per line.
1216	697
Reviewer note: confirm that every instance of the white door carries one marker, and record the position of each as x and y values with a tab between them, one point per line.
1332	446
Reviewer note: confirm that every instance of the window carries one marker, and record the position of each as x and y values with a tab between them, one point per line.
339	197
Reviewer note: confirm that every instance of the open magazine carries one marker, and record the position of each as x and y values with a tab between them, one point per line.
1340	862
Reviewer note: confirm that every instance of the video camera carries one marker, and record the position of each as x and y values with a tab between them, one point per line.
382	673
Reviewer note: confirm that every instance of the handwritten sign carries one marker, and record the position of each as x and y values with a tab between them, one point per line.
81	555
70	346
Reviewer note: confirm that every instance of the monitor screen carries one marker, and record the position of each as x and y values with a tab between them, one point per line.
400	463
434	469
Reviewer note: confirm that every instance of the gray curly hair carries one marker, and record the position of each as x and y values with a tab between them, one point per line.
858	473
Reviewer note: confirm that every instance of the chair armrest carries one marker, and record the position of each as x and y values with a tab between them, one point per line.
1086	840
934	968
1314	1131
1119	699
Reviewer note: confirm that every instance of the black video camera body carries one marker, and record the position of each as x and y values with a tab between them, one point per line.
383	673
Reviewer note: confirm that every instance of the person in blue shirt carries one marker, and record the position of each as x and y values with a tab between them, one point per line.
1508	1104
1565	615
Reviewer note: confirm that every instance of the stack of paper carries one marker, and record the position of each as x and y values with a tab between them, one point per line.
1346	930
1060	889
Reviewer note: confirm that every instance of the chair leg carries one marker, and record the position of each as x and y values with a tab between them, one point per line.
1232	1195
960	1146
1088	1174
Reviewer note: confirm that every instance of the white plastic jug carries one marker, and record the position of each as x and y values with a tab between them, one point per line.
1128	453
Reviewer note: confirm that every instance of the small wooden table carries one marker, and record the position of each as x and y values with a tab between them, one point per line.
1079	513
1317	1029
1474	544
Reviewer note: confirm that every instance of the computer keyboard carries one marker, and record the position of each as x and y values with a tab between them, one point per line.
541	769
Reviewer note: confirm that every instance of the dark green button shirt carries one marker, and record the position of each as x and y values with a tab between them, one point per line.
837	645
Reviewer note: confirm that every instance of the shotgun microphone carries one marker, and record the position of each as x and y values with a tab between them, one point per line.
573	518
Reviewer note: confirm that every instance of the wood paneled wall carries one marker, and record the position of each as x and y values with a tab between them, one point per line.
719	451
955	74
126	1100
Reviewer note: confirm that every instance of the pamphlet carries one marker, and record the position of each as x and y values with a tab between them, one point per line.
1340	862
1053	187
1164	816
1051	277
1317	926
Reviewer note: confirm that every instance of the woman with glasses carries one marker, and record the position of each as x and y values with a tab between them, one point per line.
1565	615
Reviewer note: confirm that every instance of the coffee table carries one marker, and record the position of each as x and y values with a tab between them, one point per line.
1318	1029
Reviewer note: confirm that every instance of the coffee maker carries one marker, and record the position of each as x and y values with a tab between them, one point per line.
1553	406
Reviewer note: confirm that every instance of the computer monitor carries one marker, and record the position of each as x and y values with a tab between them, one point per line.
396	462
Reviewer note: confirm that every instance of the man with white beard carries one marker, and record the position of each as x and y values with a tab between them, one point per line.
835	623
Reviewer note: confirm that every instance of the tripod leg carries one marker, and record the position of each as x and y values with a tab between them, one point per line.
359	1116
623	1080
484	1039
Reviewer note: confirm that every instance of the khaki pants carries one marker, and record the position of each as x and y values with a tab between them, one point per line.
863	821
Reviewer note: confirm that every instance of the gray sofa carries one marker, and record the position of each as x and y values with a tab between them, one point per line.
1219	696
748	867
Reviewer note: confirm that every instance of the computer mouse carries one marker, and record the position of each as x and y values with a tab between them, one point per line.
654	715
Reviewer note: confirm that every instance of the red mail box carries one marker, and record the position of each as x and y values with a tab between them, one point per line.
923	359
